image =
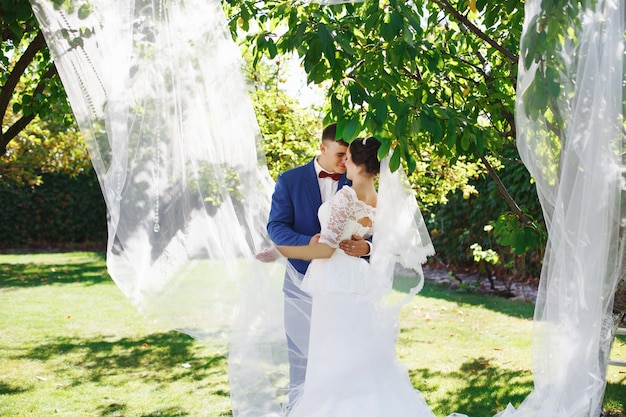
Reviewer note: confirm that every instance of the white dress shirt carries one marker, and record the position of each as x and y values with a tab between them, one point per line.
328	186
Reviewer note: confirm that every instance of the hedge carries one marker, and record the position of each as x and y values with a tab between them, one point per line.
62	212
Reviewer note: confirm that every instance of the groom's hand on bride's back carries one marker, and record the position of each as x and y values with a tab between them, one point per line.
314	239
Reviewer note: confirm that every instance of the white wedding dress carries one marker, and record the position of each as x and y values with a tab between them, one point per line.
352	367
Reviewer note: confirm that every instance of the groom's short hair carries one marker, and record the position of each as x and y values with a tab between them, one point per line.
330	133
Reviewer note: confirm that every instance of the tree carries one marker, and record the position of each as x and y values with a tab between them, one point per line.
434	84
44	147
291	136
30	85
410	72
421	75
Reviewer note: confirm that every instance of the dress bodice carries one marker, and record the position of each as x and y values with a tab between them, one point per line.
340	220
340	217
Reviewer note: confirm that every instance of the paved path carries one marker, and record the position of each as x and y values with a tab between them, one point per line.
521	292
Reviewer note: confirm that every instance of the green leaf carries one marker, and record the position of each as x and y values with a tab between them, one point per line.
271	48
260	42
394	162
313	55
371	124
396	22
410	162
416	126
351	129
27	110
465	140
441	113
372	22
345	44
407	35
381	111
404	144
450	137
357	94
401	125
540	99
84	11
317	73
385	146
520	242
553	83
337	108
481	141
391	29
326	42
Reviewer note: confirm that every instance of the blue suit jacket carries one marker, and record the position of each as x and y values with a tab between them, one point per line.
295	202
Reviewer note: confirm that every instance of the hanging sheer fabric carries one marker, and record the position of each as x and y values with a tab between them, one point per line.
157	90
579	175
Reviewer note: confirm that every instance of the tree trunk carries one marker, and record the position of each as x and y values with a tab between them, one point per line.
619	303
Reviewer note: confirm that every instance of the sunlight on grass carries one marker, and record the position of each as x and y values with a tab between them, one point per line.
81	349
464	356
72	345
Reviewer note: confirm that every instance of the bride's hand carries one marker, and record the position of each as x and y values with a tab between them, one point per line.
357	246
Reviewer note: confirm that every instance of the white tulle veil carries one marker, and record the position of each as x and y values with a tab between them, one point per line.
173	139
579	175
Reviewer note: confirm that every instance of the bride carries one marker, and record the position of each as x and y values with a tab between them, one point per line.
352	368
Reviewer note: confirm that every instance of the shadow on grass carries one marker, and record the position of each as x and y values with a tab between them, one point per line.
466	297
114	410
615	396
481	389
159	358
91	271
167	412
7	389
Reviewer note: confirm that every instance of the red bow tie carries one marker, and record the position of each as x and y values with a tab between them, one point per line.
335	176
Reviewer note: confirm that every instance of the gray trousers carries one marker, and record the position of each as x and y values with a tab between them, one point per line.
297	326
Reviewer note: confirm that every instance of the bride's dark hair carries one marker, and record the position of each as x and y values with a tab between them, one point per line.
365	152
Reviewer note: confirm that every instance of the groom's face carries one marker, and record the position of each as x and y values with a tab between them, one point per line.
333	156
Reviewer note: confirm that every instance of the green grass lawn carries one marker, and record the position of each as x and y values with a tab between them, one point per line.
72	345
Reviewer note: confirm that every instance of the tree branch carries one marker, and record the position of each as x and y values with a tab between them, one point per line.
23	121
18	70
458	16
505	194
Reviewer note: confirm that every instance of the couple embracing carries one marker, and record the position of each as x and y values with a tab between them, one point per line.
326	219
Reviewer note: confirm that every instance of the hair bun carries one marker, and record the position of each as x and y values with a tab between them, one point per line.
365	152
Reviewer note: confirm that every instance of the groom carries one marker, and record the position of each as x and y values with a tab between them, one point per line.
293	220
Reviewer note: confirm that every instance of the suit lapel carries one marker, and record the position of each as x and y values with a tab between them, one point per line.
312	186
343	181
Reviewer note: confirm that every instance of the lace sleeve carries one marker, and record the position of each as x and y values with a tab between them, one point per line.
342	208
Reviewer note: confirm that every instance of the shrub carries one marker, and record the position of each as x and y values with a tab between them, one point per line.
61	212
